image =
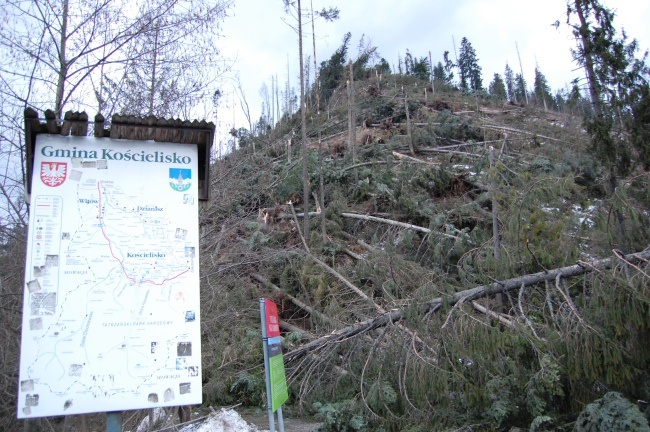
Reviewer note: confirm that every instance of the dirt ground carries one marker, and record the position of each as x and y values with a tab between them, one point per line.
260	419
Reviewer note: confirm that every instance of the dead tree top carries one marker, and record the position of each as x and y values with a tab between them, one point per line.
148	128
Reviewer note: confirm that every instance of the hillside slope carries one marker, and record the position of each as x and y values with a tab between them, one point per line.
400	228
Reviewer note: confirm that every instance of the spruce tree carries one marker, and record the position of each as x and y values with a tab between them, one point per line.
520	88
449	66
383	67
542	91
618	87
498	87
470	71
421	68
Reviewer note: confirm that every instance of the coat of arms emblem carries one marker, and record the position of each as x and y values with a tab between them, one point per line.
180	179
53	173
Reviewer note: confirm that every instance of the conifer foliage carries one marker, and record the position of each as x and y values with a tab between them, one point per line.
618	86
468	67
542	91
498	87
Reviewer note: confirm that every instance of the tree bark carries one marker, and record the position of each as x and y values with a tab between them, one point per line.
590	70
303	121
408	127
395	223
352	124
495	217
396	315
63	63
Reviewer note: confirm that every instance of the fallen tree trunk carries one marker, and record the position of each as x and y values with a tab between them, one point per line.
397	315
395	223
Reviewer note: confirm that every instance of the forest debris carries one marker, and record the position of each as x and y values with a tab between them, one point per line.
353	254
413	159
347	283
395	223
396	315
503	320
295	219
509	129
314	313
288	327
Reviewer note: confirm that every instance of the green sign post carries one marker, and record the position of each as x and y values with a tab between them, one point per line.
276	381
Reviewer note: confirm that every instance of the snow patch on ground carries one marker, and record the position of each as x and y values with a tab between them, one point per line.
222	421
159	415
585	214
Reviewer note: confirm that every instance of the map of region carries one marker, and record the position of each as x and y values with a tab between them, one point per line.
111	310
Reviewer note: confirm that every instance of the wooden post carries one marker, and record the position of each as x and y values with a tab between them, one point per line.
114	421
98	129
50	121
67	125
80	124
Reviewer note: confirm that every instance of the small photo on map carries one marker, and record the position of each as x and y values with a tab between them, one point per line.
153	398
31	400
190	316
75	370
181	233
193	371
188	199
154	345
184	349
51	261
42	304
27	385
39	271
189	251
75	175
169	395
76	162
184	388
101	164
36	323
65	236
181	363
89	164
34	286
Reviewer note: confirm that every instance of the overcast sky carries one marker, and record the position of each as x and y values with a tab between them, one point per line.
259	41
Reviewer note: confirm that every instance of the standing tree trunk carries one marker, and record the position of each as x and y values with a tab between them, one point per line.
303	121
409	137
433	88
592	80
321	182
495	218
352	123
152	87
521	68
63	69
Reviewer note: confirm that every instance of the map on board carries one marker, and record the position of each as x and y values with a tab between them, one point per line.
111	303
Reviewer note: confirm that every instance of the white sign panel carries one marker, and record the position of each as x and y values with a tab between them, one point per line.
111	304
